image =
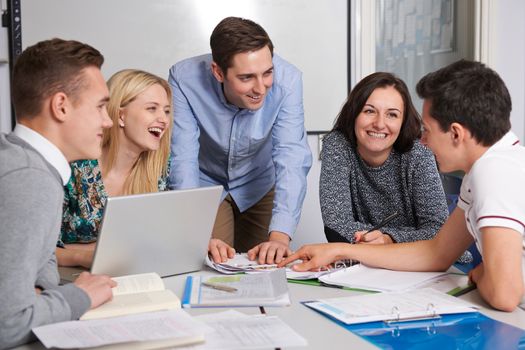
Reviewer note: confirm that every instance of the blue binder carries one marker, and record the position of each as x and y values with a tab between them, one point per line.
456	331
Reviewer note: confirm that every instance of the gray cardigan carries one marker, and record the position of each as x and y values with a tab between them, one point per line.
355	196
31	195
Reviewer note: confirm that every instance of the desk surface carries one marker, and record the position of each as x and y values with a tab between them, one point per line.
317	329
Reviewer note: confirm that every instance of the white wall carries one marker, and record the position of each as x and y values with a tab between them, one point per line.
507	54
310	228
154	34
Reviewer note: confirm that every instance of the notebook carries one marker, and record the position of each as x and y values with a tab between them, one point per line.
381	280
164	232
259	289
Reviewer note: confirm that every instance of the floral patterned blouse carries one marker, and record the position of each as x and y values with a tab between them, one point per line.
84	202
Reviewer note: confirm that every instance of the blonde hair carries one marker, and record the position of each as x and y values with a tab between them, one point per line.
124	87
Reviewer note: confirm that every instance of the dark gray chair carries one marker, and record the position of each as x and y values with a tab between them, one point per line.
452	186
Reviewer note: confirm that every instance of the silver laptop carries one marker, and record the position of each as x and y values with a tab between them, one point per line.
164	232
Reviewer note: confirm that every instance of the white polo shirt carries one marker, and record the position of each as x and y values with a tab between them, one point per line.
493	192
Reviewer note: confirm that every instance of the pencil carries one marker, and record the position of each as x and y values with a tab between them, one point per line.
383	222
220	287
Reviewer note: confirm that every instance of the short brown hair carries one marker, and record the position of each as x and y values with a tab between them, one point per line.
471	94
411	127
49	67
234	35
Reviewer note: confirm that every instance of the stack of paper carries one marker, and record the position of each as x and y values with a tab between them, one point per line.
241	264
238	264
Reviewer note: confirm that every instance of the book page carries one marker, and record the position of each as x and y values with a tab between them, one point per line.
135	303
143	327
144	282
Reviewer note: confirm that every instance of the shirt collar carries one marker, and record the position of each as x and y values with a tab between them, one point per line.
509	139
220	93
48	150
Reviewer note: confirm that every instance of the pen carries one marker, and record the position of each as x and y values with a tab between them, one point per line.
383	222
469	288
324	284
219	287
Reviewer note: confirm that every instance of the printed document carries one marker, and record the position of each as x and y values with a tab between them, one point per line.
233	330
175	325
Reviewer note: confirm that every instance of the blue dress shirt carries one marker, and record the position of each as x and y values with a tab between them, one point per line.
246	151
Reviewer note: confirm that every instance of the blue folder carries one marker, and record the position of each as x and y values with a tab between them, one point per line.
456	331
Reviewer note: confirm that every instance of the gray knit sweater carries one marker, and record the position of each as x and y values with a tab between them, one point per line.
31	196
355	196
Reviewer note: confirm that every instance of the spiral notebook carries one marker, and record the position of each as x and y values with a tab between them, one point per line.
382	280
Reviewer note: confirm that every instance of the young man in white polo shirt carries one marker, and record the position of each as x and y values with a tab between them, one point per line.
466	119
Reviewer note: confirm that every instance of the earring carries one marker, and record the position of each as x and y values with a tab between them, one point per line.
121	124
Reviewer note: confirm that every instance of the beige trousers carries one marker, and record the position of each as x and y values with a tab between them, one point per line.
243	231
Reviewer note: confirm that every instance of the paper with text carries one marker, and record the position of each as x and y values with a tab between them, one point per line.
233	330
263	289
176	325
381	280
145	282
240	263
391	306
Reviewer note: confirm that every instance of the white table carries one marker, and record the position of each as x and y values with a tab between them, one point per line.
317	329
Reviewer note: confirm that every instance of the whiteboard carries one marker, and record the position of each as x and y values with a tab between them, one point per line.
154	34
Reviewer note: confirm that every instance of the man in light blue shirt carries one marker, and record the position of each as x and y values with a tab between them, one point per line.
239	123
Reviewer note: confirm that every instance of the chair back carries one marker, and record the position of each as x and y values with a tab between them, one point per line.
452	186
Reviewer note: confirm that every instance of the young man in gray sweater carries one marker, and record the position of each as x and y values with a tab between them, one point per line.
60	99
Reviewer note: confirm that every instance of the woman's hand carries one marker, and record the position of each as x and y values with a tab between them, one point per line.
316	256
372	237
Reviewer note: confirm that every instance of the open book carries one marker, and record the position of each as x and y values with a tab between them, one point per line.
134	294
419	304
